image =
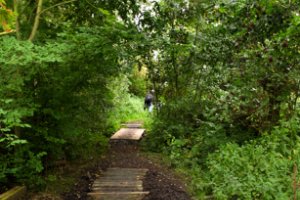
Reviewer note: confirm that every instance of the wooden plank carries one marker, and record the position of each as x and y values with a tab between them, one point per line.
94	193
123	173
128	134
116	181
118	195
114	197
133	125
129	174
120	175
107	175
119	178
15	193
127	169
117	189
119	182
108	185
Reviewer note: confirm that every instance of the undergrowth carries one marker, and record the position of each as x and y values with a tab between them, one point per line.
220	167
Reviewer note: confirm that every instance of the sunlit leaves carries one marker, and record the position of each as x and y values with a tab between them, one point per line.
7	17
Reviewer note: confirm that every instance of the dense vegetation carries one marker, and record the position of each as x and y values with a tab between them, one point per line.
226	76
57	85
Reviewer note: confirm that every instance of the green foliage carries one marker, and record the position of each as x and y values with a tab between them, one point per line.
126	106
138	85
226	73
7	17
54	102
19	164
261	169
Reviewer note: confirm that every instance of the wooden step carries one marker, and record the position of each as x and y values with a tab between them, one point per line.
119	183
118	195
119	178
128	134
122	172
126	169
121	189
124	179
118	189
132	185
133	125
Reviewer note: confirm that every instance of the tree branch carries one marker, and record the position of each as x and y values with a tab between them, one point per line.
6	33
91	4
59	4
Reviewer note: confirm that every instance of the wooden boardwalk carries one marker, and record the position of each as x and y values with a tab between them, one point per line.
121	183
133	131
128	134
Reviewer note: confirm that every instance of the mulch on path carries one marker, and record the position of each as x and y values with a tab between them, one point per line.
159	181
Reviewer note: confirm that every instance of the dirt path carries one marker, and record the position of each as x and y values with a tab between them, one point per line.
161	183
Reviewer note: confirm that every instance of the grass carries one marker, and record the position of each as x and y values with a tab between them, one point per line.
131	109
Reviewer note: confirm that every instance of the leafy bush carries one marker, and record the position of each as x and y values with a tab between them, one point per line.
261	169
53	96
219	165
18	164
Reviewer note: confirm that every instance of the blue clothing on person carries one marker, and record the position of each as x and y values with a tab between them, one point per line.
149	102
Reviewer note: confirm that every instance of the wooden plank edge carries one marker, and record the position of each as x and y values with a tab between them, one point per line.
118	193
120	182
15	193
119	168
135	125
113	185
120	178
115	172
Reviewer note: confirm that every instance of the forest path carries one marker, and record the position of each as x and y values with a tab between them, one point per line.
121	183
125	173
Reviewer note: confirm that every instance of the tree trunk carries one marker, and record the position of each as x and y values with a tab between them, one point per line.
36	20
274	109
16	6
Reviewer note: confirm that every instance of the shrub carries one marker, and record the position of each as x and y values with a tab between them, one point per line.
261	169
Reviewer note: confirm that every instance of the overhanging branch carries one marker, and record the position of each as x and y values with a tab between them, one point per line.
59	4
6	33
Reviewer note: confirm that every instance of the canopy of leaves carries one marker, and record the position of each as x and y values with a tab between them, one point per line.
226	75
